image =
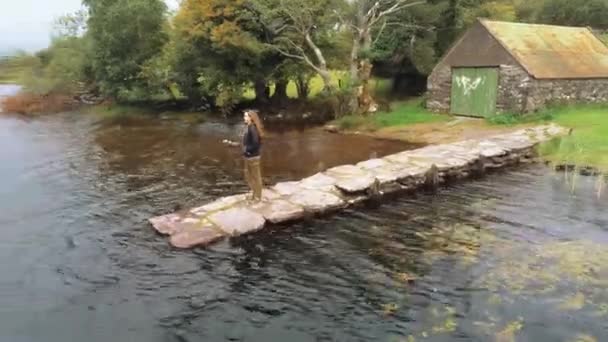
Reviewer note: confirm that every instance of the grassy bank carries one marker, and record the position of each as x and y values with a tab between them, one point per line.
588	144
401	114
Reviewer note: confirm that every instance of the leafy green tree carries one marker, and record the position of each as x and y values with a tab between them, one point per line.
72	24
221	42
306	31
125	35
592	13
407	51
449	26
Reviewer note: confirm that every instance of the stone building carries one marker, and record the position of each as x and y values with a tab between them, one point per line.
499	67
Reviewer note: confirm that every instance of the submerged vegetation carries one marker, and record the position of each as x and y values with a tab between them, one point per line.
566	276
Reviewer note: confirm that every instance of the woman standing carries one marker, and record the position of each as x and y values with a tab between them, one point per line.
252	144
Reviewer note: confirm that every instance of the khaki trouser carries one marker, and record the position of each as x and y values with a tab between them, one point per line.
253	176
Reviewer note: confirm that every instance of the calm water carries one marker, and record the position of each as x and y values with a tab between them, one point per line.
515	256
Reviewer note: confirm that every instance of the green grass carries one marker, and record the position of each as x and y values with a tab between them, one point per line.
588	144
403	113
509	119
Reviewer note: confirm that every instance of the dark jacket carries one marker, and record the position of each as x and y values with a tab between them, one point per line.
252	143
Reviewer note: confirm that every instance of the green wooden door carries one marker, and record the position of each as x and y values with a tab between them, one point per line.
474	91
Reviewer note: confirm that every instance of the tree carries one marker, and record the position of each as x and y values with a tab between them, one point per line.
407	51
65	65
367	21
125	35
222	43
71	25
592	13
450	26
303	31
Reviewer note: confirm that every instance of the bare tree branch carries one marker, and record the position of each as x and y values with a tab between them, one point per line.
379	34
345	22
316	50
413	26
398	6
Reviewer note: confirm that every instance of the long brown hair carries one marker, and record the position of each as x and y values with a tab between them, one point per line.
257	122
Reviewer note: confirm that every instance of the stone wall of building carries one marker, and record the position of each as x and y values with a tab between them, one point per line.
513	87
546	92
439	89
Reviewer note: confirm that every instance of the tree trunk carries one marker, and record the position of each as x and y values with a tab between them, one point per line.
366	101
303	88
328	86
353	102
280	91
322	67
354	60
261	91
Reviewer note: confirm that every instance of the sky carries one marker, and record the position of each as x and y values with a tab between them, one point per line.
27	24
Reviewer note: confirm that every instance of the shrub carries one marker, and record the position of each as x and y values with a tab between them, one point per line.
28	103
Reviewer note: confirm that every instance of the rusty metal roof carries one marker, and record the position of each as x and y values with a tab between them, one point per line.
550	52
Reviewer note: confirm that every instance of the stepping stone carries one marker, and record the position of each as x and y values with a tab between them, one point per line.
387	172
237	221
374	164
351	179
287	188
219	204
489	149
201	236
166	224
278	211
513	142
453	163
270	195
320	181
400	158
315	201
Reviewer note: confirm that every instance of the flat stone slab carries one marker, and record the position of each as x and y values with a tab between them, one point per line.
320	181
399	158
219	204
388	172
287	188
351	179
201	236
315	201
278	211
489	149
166	224
237	221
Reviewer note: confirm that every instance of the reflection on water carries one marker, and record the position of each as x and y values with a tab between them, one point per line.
513	257
7	90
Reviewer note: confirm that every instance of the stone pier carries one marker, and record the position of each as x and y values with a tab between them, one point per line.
347	185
